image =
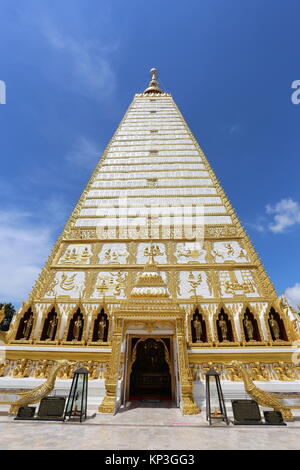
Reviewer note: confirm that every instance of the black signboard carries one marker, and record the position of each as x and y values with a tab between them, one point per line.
246	412
26	412
52	408
274	418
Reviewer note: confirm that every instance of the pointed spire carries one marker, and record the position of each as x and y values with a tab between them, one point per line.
153	85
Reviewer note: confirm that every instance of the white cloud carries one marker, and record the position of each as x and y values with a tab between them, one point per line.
293	295
84	65
24	247
259	225
55	210
85	153
285	214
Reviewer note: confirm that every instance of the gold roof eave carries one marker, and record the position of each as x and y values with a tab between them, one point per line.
153	89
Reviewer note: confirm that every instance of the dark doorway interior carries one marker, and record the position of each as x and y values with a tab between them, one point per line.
150	376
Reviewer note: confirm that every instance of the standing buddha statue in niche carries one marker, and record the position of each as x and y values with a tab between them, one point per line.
52	328
27	327
249	327
274	327
77	328
197	328
223	327
101	328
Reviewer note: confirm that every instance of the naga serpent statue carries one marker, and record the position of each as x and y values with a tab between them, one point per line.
263	398
36	394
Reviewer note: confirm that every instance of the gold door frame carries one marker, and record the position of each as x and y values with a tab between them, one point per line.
125	319
131	356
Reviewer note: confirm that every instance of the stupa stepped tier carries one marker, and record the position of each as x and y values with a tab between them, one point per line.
153	279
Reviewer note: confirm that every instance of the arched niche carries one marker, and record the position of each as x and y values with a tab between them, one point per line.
198	328
228	327
76	327
277	330
50	326
250	327
100	328
25	327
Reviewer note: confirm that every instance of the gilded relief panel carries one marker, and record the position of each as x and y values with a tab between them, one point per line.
190	252
143	250
237	282
110	284
113	253
226	252
67	284
76	254
194	283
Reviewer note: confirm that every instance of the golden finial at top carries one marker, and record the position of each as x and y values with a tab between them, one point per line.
153	85
154	74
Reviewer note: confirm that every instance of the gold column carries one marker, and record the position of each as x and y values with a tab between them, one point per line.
188	406
108	404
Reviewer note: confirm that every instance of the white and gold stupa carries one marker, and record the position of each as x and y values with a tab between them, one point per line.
153	267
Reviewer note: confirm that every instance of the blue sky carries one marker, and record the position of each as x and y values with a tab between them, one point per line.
71	68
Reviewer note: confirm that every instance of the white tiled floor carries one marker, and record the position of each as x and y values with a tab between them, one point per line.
145	428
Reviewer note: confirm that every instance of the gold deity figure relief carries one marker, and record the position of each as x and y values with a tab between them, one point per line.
22	368
110	284
231	252
190	252
259	371
224	328
195	284
237	282
284	371
148	253
76	254
113	253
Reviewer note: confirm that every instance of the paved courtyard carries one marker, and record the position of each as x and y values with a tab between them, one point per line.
144	428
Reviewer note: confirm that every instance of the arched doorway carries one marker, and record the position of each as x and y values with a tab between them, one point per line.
150	377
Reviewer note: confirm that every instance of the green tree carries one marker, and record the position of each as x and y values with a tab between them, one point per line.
9	312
